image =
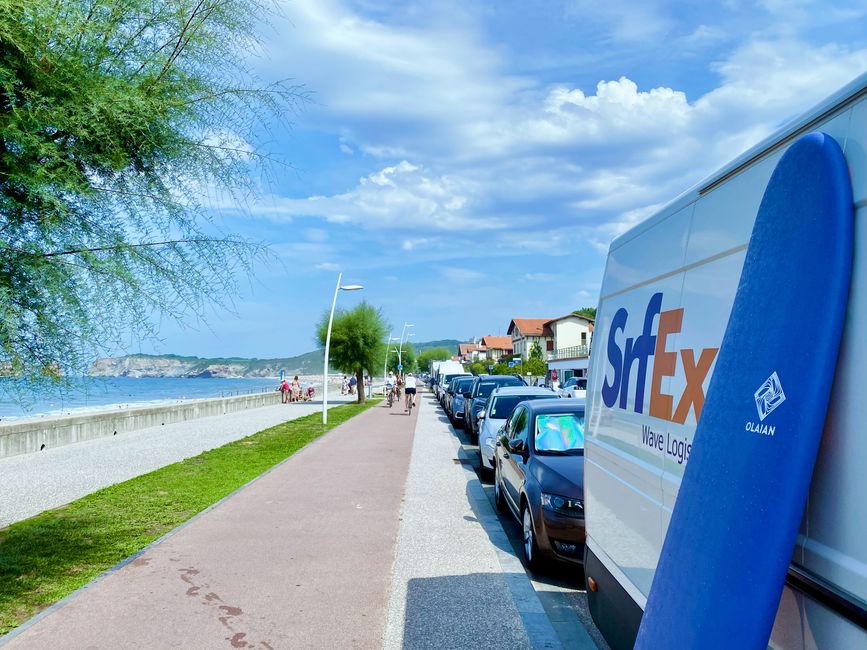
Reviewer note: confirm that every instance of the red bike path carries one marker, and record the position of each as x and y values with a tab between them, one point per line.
301	557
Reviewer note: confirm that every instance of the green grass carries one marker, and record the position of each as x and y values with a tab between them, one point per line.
46	557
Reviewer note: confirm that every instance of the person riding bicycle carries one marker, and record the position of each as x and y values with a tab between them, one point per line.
390	385
409	388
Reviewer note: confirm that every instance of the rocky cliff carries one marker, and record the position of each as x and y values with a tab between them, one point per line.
144	365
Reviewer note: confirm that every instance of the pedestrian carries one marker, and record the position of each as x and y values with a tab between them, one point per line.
353	383
344	386
284	391
296	389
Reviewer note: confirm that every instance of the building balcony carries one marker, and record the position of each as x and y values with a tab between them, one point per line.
574	352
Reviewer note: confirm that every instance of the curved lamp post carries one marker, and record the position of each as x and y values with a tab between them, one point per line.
345	287
403	338
385	363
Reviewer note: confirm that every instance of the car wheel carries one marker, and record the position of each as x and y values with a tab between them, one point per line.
531	549
499	497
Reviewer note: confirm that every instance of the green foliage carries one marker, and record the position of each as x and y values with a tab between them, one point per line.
536	350
357	341
118	119
407	357
46	557
477	367
535	367
590	312
432	354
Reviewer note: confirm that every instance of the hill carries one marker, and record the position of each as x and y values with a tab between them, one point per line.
173	365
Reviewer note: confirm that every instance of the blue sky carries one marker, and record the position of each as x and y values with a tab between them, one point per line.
469	162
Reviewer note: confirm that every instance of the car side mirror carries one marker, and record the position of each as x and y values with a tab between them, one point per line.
516	446
466	395
482	414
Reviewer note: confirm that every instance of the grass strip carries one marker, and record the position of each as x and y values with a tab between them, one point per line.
47	557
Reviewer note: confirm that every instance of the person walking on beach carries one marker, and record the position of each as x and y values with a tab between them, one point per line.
296	389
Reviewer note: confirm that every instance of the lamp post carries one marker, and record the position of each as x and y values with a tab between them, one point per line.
387	350
346	287
403	338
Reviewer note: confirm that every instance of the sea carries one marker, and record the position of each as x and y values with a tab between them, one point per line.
107	393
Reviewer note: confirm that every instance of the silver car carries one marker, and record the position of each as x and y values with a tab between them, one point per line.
497	409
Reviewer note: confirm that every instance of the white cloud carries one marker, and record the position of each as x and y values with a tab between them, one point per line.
457	274
400	197
468	147
328	266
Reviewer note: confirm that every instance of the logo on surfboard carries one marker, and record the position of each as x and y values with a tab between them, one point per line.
769	396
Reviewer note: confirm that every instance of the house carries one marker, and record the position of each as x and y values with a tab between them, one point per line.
571	353
497	347
470	351
525	332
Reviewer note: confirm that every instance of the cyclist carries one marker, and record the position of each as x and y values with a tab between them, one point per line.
390	385
409	388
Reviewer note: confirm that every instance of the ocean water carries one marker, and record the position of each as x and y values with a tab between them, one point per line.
105	393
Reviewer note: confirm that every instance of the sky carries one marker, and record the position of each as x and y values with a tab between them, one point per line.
470	162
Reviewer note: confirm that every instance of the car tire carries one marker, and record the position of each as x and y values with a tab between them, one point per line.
499	497
528	537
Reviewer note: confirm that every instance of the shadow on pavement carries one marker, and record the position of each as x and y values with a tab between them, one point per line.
468	611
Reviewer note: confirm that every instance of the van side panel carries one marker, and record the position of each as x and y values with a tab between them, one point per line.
694	257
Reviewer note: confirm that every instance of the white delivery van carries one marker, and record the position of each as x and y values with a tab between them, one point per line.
681	268
447	371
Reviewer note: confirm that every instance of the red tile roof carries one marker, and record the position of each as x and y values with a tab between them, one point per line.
497	342
531	326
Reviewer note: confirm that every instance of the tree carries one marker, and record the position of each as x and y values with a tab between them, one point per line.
407	359
535	367
117	120
589	312
357	341
536	350
432	354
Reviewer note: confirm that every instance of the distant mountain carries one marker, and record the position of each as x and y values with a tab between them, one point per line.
451	344
173	365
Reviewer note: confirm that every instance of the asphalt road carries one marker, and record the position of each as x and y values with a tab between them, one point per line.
560	586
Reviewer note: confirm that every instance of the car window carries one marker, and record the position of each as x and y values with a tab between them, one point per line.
559	432
463	385
504	404
520	428
485	388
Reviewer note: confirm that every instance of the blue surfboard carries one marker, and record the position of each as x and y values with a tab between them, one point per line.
734	524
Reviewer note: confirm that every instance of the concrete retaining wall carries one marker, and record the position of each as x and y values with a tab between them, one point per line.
43	433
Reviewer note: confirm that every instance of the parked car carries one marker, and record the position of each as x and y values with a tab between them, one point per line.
539	477
482	388
445	377
497	410
448	393
574	387
460	393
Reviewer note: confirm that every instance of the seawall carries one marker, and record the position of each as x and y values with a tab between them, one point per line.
44	433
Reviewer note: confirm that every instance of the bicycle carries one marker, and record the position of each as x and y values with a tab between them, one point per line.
390	396
410	398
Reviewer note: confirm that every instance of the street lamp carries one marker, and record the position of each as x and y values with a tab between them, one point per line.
385	363
403	338
345	287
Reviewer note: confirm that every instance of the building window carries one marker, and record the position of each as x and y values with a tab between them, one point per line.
583	338
549	345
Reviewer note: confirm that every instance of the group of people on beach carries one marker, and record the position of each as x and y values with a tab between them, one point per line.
294	392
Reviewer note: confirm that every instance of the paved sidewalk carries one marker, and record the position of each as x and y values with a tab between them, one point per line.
457	582
299	558
33	483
